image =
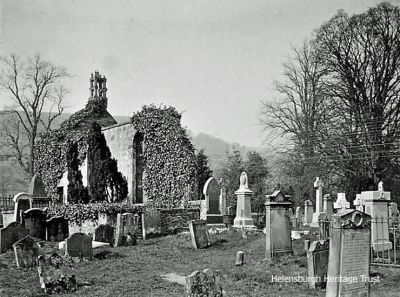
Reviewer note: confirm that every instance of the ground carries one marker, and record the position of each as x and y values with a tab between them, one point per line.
136	271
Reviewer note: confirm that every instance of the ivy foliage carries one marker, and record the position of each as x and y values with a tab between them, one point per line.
76	192
105	182
170	178
203	171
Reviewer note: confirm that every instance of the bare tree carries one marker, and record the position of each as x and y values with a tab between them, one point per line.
34	88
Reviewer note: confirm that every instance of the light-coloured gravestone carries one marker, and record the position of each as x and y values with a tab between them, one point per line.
151	222
34	219
317	260
243	208
79	245
23	202
349	255
56	229
376	204
125	230
104	233
222	201
308	212
358	203
204	283
318	184
26	251
278	230
11	234
341	202
212	192
328	204
199	234
36	187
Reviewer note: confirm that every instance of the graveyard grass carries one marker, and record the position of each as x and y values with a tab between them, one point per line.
137	270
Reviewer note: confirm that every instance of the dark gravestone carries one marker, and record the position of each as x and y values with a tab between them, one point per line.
36	187
127	226
26	251
104	233
56	229
199	234
317	259
23	202
11	234
211	191
204	283
34	219
79	245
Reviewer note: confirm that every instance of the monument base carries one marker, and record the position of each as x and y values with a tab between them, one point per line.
247	223
276	253
315	219
382	245
214	219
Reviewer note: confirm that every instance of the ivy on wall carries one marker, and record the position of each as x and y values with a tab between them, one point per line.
170	164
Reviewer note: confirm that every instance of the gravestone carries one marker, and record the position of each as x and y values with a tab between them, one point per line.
79	245
125	230
212	193
243	209
56	229
36	187
308	212
199	234
23	202
376	204
278	230
11	234
204	283
341	202
222	201
317	260
328	204
358	204
151	222
34	219
104	233
26	251
318	184
239	258
349	254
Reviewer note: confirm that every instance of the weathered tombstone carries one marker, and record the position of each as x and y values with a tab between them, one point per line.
278	231
125	230
36	187
341	202
317	260
318	184
56	229
34	219
239	258
23	202
79	245
328	204
222	201
204	283
357	203
151	222
104	233
308	212
376	205
349	254
54	276
11	234
243	208
212	192
199	234
26	251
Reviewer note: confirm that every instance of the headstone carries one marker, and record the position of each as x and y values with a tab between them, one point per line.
79	245
358	203
26	251
204	283
11	234
376	204
317	260
36	187
328	204
56	229
243	208
125	230
231	210
308	212
151	222
222	201
278	230
349	255
212	193
318	184
341	202
23	202
239	258
104	233
199	234
34	219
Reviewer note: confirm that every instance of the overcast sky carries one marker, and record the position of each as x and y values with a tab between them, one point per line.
214	60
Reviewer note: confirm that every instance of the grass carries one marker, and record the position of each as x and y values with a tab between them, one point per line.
136	271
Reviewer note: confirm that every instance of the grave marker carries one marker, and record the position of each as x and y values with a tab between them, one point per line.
26	251
341	202
56	229
204	283
328	204
127	226
318	184
34	219
308	212
23	202
317	260
104	233
199	234
212	193
243	208
11	234
79	245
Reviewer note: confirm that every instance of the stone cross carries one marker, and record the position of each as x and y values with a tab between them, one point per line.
341	202
318	199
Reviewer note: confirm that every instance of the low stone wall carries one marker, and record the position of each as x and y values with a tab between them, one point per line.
176	219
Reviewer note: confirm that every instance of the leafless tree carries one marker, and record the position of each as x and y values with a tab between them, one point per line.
36	93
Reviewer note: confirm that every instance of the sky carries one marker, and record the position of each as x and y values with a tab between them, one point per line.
213	60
